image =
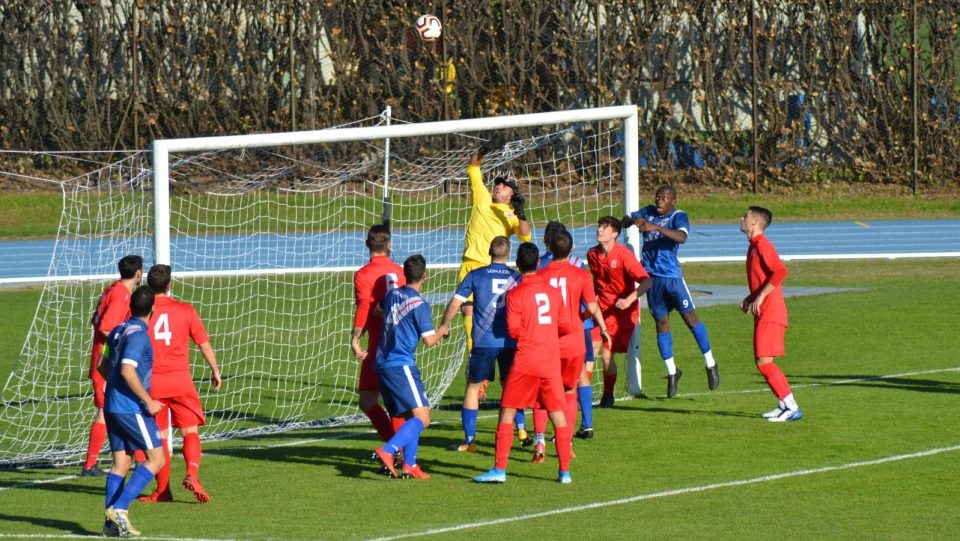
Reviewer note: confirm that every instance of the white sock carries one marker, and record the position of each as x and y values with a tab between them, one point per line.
671	366
789	402
708	359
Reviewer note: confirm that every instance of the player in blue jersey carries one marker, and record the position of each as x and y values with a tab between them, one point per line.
664	229
585	387
128	411
406	320
492	345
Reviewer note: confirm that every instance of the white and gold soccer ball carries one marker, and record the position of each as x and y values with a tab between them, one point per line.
429	27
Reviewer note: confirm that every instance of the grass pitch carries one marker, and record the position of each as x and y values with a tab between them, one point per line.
874	457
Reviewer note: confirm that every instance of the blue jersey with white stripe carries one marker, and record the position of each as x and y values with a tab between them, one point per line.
406	318
659	252
129	344
547	258
489	286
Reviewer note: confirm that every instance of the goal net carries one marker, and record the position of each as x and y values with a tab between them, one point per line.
264	234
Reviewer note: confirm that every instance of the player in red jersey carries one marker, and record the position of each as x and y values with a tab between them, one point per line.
536	318
619	279
765	273
171	328
576	287
112	310
370	286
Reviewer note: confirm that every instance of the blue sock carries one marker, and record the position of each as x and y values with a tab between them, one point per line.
408	437
114	488
138	481
585	397
700	333
469	419
520	420
665	344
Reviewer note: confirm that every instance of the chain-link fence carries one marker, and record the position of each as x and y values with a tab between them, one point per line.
857	90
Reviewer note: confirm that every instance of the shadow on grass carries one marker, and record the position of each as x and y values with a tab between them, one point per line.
881	382
45	522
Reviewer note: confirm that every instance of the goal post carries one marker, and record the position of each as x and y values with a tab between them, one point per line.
264	233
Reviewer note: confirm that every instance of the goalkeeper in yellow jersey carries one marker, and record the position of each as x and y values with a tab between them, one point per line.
500	213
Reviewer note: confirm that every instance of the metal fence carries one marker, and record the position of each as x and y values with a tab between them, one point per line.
791	91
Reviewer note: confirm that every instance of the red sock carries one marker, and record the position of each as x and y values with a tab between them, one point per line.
98	433
381	422
539	420
163	476
191	452
397	423
571	409
502	445
775	379
609	383
564	442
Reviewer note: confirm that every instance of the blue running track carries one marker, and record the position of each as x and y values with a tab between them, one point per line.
24	261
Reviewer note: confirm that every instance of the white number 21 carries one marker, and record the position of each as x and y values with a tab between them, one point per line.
161	329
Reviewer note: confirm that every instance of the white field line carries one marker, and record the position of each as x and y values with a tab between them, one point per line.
97	536
674	492
759	389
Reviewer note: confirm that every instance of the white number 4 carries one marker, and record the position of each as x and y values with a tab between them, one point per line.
161	329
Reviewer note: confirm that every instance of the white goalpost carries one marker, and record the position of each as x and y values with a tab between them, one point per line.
264	232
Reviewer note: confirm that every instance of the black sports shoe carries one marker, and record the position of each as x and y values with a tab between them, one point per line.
713	377
607	402
672	383
584	433
93	471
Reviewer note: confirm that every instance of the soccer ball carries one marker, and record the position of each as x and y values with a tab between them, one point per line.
429	27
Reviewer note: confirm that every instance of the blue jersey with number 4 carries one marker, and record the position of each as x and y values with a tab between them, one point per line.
406	318
659	252
489	286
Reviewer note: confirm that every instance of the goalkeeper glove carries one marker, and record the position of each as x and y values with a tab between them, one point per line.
494	143
517	201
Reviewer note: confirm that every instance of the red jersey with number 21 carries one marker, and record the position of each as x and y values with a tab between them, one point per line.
536	318
171	327
575	286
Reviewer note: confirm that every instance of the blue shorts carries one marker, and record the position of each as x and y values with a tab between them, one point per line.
481	365
401	389
588	338
667	294
131	431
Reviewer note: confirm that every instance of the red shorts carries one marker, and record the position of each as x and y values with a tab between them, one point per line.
570	369
768	339
99	388
620	325
182	411
522	391
368	376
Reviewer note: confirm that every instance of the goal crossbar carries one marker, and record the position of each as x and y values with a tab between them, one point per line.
163	147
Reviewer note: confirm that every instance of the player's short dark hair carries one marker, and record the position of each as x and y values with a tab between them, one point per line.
141	301
550	230
562	244
159	278
378	238
499	247
129	265
528	256
667	188
763	213
414	267
614	223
